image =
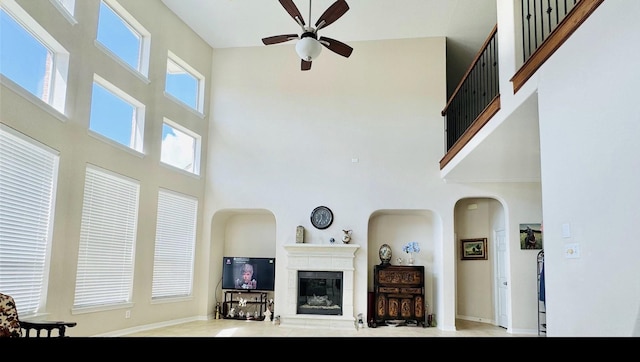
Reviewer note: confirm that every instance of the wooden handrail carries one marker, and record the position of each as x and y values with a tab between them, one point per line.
473	64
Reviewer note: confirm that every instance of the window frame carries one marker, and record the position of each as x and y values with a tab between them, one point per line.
67	9
196	150
137	130
130	22
59	71
177	61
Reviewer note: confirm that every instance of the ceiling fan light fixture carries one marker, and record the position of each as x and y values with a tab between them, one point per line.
309	45
308	48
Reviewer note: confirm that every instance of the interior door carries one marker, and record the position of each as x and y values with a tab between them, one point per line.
502	284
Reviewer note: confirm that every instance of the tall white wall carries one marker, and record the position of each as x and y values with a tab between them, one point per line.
589	128
284	141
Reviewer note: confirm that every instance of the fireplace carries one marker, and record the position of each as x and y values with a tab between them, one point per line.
329	269
320	292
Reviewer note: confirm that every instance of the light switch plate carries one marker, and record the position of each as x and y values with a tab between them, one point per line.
566	230
572	251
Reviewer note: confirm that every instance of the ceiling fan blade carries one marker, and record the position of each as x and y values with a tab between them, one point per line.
333	13
292	9
336	46
305	65
279	39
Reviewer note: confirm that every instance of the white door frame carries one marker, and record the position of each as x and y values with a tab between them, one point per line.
501	279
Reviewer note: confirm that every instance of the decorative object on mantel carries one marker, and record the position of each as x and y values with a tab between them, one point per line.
346	238
385	254
410	248
300	234
267	315
399	261
332	240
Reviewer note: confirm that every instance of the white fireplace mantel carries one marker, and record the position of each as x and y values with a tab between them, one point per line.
320	257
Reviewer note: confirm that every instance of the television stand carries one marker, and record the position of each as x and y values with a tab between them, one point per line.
253	310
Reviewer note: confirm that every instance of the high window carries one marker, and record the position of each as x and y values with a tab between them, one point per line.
175	245
184	83
123	37
108	230
67	8
27	195
32	62
116	115
180	147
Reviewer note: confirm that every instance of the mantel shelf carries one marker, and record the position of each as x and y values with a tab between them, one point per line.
334	249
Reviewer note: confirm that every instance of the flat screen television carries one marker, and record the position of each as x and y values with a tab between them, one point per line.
245	273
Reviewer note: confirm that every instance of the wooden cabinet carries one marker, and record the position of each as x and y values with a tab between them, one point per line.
399	295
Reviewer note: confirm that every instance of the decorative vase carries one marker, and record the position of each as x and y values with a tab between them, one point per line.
385	254
346	238
411	260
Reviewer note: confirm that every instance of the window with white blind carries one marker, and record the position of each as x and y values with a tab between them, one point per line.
175	242
107	239
27	195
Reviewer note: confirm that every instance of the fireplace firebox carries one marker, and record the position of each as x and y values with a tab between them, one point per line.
319	292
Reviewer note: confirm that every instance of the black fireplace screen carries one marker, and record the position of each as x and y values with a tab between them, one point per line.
320	292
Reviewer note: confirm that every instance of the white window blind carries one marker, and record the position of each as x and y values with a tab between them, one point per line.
27	193
107	239
175	243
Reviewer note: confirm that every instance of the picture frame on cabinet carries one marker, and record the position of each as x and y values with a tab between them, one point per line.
473	249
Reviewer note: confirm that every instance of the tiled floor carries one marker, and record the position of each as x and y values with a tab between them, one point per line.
235	328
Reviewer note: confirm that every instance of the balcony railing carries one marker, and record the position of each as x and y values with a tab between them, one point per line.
546	25
476	97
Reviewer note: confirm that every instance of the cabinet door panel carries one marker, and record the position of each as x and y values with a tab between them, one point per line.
407	308
393	308
419	306
381	306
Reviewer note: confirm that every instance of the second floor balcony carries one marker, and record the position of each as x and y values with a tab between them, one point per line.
480	140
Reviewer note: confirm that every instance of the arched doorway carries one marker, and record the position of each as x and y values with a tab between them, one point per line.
480	292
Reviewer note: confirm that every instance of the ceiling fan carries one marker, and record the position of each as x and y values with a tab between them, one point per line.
308	47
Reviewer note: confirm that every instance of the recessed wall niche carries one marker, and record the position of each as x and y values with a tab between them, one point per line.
240	233
398	227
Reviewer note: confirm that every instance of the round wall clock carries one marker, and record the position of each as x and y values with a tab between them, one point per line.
321	217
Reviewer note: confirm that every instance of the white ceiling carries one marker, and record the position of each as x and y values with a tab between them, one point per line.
465	23
243	23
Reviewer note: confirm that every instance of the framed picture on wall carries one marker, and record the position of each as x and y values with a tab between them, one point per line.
473	249
530	236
